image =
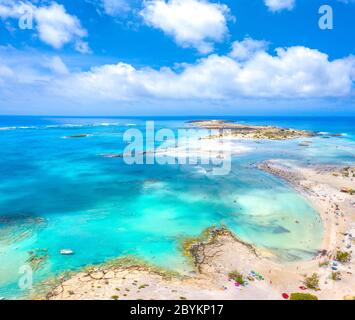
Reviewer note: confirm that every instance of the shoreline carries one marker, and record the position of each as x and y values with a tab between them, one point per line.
294	181
218	252
324	195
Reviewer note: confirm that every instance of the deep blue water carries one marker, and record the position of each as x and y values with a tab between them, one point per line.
60	193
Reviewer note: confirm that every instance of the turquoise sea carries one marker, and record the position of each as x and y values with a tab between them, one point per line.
58	193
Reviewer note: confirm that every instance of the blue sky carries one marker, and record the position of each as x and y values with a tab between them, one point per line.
176	57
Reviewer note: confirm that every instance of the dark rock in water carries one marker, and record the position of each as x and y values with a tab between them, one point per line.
75	136
336	135
112	155
280	229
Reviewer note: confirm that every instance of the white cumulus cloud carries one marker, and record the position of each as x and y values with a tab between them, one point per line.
290	73
54	25
29	67
192	23
278	5
249	73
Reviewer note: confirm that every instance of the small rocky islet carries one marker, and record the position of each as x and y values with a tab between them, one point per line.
77	136
245	131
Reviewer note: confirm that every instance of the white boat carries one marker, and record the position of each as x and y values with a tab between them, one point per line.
66	252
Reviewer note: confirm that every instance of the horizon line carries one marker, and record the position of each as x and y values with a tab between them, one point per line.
175	116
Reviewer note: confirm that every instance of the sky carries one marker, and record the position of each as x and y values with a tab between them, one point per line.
177	57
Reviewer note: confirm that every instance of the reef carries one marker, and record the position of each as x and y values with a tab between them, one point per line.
18	226
37	258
